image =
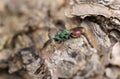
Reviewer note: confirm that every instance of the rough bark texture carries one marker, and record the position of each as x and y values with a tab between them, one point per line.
28	50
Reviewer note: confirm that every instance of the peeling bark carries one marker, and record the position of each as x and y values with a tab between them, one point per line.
27	47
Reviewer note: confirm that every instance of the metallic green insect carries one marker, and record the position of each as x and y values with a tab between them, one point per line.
67	34
64	35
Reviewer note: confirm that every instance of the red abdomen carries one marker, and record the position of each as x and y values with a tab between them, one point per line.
76	33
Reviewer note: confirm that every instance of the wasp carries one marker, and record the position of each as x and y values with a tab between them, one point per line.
68	34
